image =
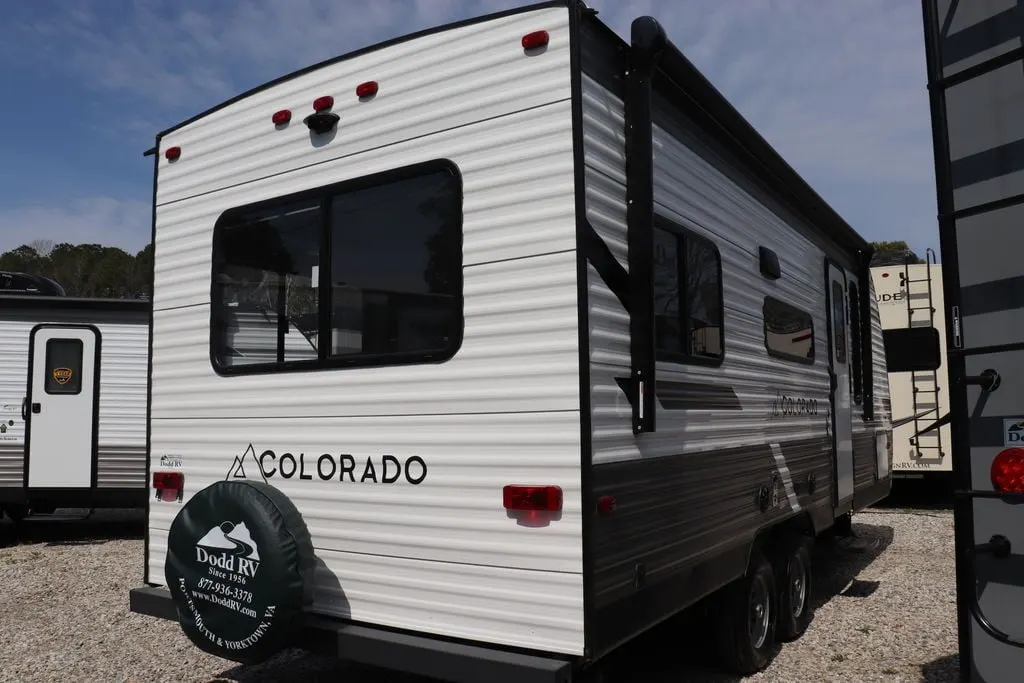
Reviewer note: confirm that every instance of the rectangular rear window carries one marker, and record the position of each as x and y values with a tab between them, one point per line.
63	366
365	272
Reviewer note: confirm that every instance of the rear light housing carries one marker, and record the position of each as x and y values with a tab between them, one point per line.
1007	471
367	89
170	486
537	39
532	498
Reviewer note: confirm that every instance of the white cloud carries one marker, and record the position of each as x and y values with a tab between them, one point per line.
97	220
838	87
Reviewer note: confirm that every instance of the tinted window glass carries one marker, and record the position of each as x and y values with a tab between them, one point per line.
856	371
268	299
395	267
839	321
63	366
388	249
687	296
788	331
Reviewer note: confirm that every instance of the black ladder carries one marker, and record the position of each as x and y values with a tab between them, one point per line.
925	394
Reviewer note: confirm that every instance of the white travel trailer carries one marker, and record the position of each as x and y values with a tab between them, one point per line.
574	349
72	403
910	295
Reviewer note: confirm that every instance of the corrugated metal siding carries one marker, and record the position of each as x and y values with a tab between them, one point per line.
696	194
504	410
13	386
121	462
691	483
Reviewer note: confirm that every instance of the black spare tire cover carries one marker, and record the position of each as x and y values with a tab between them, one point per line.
240	568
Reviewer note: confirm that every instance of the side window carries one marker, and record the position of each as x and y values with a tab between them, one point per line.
63	366
267	297
856	369
688	309
788	331
839	321
361	273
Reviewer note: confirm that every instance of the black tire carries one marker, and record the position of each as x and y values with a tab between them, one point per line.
745	619
240	568
795	586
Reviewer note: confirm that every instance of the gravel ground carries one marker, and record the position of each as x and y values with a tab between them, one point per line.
886	612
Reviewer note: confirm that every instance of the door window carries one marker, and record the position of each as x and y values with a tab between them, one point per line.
839	322
63	366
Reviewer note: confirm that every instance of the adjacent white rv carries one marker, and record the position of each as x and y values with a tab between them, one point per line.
910	295
72	403
558	347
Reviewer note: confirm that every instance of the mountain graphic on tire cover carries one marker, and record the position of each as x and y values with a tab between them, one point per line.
240	565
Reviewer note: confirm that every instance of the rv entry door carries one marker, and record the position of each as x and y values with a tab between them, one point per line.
60	409
839	373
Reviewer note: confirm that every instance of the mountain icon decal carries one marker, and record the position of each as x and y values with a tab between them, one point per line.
234	538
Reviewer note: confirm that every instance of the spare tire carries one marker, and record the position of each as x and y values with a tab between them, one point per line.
240	567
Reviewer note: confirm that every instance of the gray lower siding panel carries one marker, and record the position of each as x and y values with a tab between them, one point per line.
675	511
117	466
12	464
121	467
865	461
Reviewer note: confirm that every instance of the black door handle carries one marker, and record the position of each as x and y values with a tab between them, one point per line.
36	407
24	408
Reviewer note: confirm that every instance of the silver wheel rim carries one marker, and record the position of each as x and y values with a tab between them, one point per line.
797	586
760	612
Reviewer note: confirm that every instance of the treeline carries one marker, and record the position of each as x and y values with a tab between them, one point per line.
93	270
85	270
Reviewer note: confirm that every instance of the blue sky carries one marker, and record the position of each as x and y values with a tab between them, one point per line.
837	87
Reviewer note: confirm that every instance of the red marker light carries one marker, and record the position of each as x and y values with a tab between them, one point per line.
606	505
169	485
322	103
367	89
281	117
532	41
172	153
1008	471
548	498
885	274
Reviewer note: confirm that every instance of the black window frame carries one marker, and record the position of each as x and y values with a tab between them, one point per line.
840	352
324	360
856	343
683	235
49	366
782	355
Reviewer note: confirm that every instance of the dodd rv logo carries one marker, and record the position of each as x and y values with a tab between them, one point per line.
62	375
229	547
1013	432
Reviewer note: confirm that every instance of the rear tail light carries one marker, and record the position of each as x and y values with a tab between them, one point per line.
1008	471
367	89
169	486
532	41
532	498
